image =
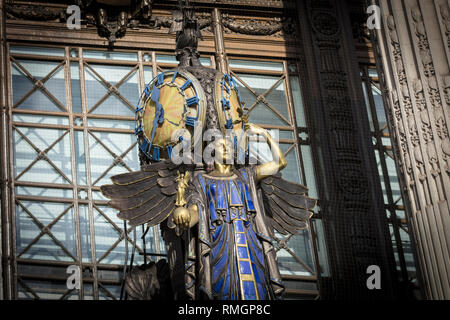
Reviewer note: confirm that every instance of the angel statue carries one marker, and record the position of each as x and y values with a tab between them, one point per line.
218	216
234	256
227	218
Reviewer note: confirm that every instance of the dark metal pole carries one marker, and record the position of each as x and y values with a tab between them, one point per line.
5	280
221	57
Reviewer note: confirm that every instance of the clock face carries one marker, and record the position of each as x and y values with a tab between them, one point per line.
172	101
230	110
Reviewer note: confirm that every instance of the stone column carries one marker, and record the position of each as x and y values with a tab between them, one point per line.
413	53
351	200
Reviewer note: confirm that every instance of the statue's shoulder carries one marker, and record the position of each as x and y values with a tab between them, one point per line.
198	178
248	172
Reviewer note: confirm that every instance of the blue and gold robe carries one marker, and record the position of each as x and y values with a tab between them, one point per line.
237	260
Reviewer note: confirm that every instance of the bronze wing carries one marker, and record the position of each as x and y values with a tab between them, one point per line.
146	196
287	207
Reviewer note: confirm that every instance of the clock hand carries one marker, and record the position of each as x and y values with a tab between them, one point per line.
159	112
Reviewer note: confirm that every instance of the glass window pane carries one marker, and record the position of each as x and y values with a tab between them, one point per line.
292	171
113	290
106	235
102	101
256	65
277	99
382	178
205	61
80	157
32	244
110	55
373	73
111	124
161	58
88	291
390	179
298	101
147	56
308	164
97	195
379	105
393	178
38	119
85	236
109	250
44	192
300	246
37	51
102	159
45	289
369	112
102	147
148	74
321	247
75	87
25	96
261	152
53	166
166	58
262	114
284	134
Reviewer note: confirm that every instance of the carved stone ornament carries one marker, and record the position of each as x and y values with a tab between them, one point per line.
111	17
416	48
33	12
276	26
355	218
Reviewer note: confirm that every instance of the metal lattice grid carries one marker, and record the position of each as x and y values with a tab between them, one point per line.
73	127
393	200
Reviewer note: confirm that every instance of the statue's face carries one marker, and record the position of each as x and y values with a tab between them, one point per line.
224	151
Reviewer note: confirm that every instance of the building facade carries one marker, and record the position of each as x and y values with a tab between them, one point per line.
310	71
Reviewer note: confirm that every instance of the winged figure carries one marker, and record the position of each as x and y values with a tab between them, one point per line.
218	218
219	224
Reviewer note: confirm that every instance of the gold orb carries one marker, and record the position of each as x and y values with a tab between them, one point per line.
181	212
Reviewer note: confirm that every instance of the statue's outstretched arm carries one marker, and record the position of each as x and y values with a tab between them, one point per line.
279	161
184	217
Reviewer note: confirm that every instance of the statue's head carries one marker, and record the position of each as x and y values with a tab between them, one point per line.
223	152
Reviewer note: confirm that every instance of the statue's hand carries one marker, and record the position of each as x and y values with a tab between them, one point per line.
251	128
182	217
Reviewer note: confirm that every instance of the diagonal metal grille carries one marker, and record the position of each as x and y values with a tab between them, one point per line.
41	155
111	89
92	138
262	98
117	159
39	84
394	207
45	230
